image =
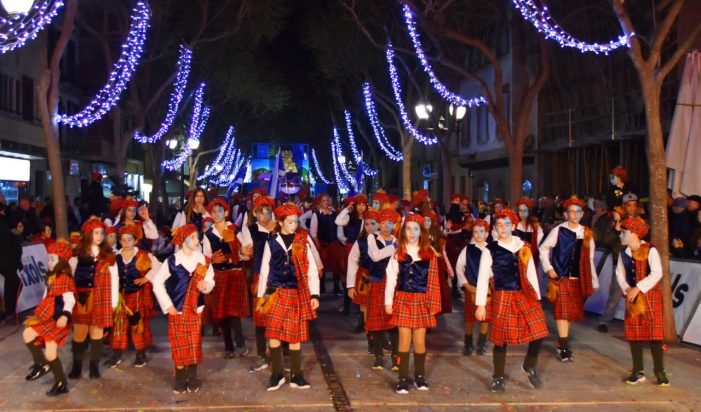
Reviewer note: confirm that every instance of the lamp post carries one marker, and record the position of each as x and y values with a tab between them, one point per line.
13	7
423	110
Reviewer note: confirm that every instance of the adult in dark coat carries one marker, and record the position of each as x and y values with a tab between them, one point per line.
10	260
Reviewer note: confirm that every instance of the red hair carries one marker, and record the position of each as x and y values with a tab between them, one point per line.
621	172
506	213
386	215
456	196
133	230
525	201
264	201
286	209
371	215
110	230
426	251
419	196
361	199
218	202
480	222
92	223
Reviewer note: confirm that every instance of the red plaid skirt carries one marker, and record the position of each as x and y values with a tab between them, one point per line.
516	319
101	314
411	310
470	309
185	336
446	295
569	304
229	298
149	308
136	302
258	318
362	275
46	328
648	326
376	317
331	255
285	321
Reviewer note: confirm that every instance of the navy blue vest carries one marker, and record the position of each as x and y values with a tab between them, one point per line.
413	275
364	260
352	230
178	282
566	253
216	244
85	273
259	239
281	273
629	265
326	227
472	264
504	268
377	269
128	274
525	236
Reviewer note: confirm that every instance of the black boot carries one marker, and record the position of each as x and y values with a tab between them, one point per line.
78	349
360	327
467	348
482	344
95	356
193	383
60	384
180	385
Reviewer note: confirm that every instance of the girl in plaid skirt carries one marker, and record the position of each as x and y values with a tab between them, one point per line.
97	292
517	316
349	223
466	269
178	286
445	269
135	302
412	273
639	272
52	319
228	302
289	279
567	254
322	230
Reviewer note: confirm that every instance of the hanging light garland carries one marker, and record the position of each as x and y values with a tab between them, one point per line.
18	29
200	116
339	152
397	89
176	97
439	87
342	187
108	96
377	129
367	170
225	174
318	169
540	18
225	149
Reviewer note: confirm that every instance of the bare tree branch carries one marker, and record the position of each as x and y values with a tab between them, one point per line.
682	49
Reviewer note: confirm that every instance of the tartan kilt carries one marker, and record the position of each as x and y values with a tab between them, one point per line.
331	255
516	319
184	334
470	309
362	275
648	326
149	310
411	310
446	295
376	318
46	328
229	298
120	334
48	331
101	314
258	318
569	304
284	321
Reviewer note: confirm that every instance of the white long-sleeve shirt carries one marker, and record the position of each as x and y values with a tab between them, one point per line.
461	264
114	280
550	242
353	258
304	218
655	265
377	254
485	270
312	272
190	264
150	230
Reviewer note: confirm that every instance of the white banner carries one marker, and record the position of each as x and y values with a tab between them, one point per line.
32	275
597	302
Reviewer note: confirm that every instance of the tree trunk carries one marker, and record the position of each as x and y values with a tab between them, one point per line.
515	172
407	149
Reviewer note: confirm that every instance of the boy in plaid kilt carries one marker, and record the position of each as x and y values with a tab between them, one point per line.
466	269
322	230
517	316
134	309
228	302
289	277
639	272
97	295
349	227
52	319
255	238
381	247
567	255
413	297
179	285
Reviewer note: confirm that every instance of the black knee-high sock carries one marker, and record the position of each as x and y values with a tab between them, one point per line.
191	371
563	343
225	326
419	364
96	349
481	340
636	351
376	339
295	362
532	354
403	365
180	376
468	340
238	332
37	354
57	370
260	341
499	361
285	348
276	359
394	340
657	356
78	349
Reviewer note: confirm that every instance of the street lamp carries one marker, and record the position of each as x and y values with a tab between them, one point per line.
460	112
194	144
13	7
172	144
423	111
342	158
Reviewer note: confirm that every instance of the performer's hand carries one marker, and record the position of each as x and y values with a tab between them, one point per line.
315	303
388	309
140	281
351	293
552	274
469	288
481	313
61	322
143	213
219	257
321	273
247	250
632	293
172	311
350	206
201	285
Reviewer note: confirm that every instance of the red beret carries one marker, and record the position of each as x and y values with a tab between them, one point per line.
387	215
371	215
621	172
217	202
524	201
573	201
480	222
286	209
109	230
414	217
506	213
636	225
264	201
61	248
419	196
93	222
181	233
361	199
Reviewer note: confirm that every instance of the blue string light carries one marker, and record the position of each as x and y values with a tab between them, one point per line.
342	187
224	149
377	129
18	29
339	152
397	89
318	169
200	116
108	96
542	21
176	97
367	170
439	87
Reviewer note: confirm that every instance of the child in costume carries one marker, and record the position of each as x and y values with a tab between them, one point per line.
358	275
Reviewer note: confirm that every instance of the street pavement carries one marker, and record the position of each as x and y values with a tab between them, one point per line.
337	365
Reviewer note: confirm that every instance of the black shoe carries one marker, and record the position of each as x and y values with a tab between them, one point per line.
37	371
533	378
180	387
603	328
76	371
481	350
395	363
420	383
662	380
193	384
261	363
113	362
140	360
566	355
94	369
386	344
635	378
467	350
370	349
379	363
58	389
276	381
498	385
402	386
298	382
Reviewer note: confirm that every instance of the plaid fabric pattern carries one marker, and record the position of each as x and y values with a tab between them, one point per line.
101	314
331	255
136	302
649	326
411	310
362	276
585	265
470	308
569	304
516	319
285	322
258	318
184	329
446	296
229	298
47	329
376	317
